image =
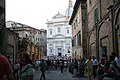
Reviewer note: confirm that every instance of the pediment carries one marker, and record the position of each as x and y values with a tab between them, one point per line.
58	16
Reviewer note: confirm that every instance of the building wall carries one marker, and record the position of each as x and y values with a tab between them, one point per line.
34	36
2	25
2	13
106	30
78	22
84	23
77	30
102	32
11	46
58	40
44	41
91	6
105	39
117	24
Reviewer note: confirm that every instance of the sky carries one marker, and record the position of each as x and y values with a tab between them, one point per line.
34	13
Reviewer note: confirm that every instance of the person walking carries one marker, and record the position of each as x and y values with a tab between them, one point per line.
81	68
95	65
48	62
89	66
27	70
101	68
61	65
5	68
16	68
116	58
43	68
65	65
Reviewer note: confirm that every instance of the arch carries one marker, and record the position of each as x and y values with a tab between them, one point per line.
103	30
117	15
103	38
117	32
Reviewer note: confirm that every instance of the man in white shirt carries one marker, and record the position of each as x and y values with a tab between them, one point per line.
95	65
116	58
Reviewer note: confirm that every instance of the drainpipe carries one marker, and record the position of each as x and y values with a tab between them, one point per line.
97	43
113	30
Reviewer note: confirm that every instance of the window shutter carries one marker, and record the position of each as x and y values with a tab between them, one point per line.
96	15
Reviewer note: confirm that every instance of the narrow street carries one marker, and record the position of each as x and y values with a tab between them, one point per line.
57	75
82	35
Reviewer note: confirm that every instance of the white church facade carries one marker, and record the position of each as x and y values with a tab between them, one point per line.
59	35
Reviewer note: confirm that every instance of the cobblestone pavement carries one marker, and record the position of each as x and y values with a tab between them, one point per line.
57	75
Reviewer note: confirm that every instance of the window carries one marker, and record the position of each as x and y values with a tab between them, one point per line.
96	15
26	35
68	51
74	41
90	2
59	30
79	38
59	49
50	50
68	31
39	32
76	22
50	32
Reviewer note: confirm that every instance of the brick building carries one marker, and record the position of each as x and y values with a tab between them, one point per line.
78	22
103	27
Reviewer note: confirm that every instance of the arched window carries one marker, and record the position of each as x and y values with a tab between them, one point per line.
68	31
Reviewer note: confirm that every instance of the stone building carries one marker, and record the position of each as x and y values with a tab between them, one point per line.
103	27
8	39
59	43
11	45
36	39
2	24
78	22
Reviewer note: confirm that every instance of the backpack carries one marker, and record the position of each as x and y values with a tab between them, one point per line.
42	66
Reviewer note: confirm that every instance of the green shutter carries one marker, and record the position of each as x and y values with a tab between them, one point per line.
96	15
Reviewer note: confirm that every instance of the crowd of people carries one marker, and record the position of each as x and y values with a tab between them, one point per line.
106	67
24	68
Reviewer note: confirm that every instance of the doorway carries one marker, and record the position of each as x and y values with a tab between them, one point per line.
59	54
